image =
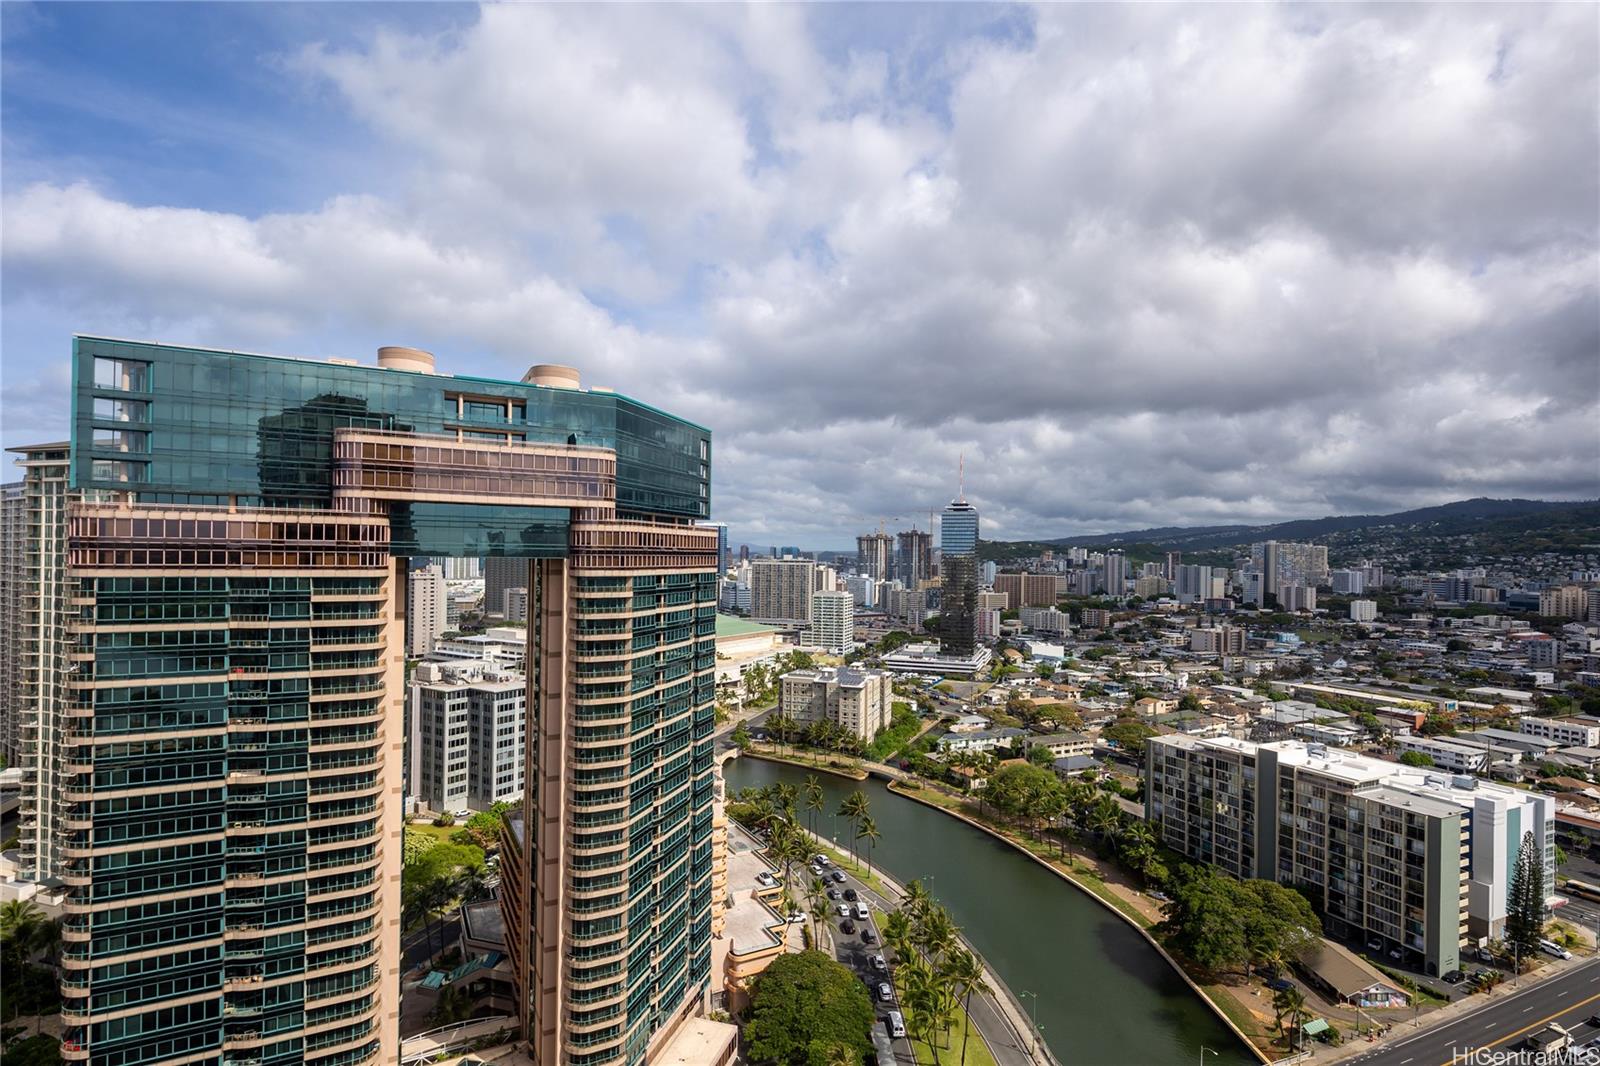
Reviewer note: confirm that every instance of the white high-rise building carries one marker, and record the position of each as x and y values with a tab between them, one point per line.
1363	610
427	609
862	589
833	621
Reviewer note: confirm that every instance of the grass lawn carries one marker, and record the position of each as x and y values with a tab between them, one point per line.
978	1053
441	833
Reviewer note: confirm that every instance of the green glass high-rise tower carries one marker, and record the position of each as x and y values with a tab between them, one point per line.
229	818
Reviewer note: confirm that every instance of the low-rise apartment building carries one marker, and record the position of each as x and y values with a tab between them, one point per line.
1447	754
858	700
1569	732
1418	858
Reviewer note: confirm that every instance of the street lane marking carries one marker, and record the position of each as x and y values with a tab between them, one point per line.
1532	1026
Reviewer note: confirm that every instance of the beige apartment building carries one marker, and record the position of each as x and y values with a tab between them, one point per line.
858	700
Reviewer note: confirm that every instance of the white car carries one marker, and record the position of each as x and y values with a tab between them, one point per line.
796	916
1550	947
844	910
766	880
878	963
862	912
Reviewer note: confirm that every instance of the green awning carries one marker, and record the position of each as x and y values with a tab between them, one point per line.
1313	1027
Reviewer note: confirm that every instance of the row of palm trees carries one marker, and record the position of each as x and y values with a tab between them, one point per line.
431	899
934	972
780	802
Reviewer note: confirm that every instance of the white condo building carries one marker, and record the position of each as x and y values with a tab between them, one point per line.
833	622
427	609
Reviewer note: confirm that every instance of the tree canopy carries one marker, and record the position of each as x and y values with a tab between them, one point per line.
1223	924
1525	902
805	1009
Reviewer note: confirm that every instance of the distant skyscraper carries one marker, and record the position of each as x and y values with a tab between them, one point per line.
874	552
500	574
959	575
1114	572
914	557
1170	570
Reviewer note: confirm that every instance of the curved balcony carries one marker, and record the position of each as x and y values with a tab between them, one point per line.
334	996
593	1019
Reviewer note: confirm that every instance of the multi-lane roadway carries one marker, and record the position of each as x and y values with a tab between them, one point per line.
1499	1028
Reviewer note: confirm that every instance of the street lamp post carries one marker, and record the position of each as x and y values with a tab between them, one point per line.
1204	1051
1033	1019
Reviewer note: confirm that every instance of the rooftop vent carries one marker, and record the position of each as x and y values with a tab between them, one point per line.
395	357
552	375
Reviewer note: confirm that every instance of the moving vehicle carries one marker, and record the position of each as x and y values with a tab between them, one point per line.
885	993
895	1024
862	912
847	927
838	877
844	910
850	894
833	893
878	963
867	935
1581	889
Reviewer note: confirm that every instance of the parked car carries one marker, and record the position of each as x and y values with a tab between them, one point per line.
885	993
1374	945
895	1024
1394	953
1484	955
1280	985
1452	977
1550	947
766	880
850	894
847	927
796	916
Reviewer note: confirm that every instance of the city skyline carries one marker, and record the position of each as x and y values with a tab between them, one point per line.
1366	290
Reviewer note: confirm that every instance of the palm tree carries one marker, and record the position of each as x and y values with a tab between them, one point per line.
814	799
1292	1002
19	923
966	974
819	917
917	899
1104	817
897	934
868	830
854	808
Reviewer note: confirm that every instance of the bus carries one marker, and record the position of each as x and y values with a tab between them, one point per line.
1580	889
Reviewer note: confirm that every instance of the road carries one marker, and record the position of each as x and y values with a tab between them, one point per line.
414	947
1009	1047
1501	1026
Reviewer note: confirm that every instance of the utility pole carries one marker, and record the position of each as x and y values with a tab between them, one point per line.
1204	1051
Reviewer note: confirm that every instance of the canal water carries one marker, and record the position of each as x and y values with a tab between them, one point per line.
1105	997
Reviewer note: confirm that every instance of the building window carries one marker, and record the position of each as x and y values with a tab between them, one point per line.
124	374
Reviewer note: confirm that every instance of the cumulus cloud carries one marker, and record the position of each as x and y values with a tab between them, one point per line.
1139	265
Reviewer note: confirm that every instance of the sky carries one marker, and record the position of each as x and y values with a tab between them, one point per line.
1134	265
